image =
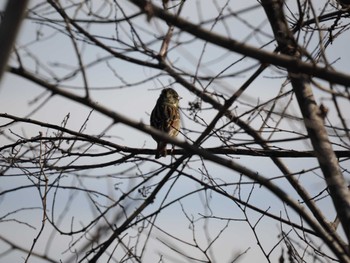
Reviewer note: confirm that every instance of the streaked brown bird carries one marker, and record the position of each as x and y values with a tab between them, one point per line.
166	117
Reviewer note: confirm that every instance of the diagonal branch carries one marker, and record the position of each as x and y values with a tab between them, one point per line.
313	120
331	240
282	60
9	27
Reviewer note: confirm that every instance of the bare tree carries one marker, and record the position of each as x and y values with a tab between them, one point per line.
259	171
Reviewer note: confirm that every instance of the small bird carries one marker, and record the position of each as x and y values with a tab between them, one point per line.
166	117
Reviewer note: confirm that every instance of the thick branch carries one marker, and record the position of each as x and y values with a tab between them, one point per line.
291	63
313	120
192	149
9	27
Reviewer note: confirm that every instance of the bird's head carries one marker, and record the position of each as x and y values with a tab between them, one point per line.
170	96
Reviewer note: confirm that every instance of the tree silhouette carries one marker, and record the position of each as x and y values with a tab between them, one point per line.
259	171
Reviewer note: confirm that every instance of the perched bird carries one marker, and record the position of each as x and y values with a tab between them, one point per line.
166	117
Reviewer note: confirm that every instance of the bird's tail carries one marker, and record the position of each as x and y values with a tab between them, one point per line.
161	150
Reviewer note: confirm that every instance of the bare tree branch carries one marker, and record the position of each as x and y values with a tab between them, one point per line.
313	120
10	23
